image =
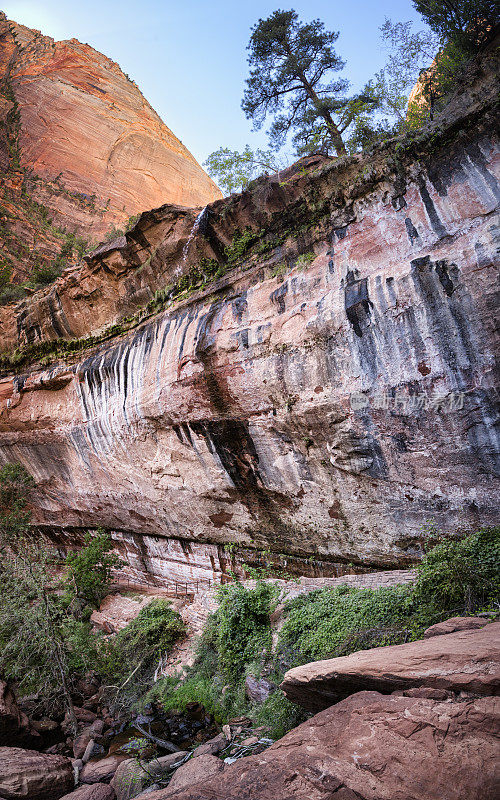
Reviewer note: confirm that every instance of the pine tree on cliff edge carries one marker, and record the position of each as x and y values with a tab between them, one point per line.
291	77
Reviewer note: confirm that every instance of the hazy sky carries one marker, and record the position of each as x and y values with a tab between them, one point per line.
188	57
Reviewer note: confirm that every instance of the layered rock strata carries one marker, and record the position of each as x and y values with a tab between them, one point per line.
319	382
465	661
82	143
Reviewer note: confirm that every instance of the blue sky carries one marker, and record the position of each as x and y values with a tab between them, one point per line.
189	57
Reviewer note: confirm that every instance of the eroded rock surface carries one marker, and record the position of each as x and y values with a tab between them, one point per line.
99	791
466	661
371	747
324	406
94	152
455	624
28	775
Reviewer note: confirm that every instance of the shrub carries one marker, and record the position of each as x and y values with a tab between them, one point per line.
305	259
11	293
279	715
15	516
152	632
461	576
243	625
241	243
236	635
43	274
92	567
131	657
336	621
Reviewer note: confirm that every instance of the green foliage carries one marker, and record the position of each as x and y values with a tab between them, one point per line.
236	636
242	241
410	52
40	641
91	568
279	269
152	632
461	576
305	259
467	24
243	626
333	622
422	58
292	77
11	293
279	715
42	274
233	170
15	486
131	657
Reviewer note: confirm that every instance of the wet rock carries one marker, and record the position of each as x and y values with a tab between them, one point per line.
250	741
258	690
92	750
455	624
44	725
129	779
84	714
387	315
464	661
370	747
192	772
85	736
28	775
164	764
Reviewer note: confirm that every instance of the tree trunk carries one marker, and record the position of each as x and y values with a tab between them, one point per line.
335	133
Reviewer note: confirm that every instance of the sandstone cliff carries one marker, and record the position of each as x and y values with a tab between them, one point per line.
80	147
308	367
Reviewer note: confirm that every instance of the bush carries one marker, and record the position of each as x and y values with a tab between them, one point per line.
11	293
461	576
279	715
243	626
130	658
92	567
237	635
15	516
333	622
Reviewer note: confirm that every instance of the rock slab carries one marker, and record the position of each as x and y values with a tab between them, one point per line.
371	747
29	775
99	791
463	661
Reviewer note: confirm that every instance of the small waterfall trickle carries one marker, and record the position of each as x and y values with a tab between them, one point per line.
198	226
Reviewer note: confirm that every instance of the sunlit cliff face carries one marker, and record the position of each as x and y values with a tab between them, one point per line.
79	138
327	410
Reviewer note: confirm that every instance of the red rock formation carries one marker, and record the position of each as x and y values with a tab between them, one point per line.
370	747
468	661
325	387
28	775
81	140
15	727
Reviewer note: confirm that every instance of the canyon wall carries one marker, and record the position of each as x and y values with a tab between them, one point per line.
316	377
81	142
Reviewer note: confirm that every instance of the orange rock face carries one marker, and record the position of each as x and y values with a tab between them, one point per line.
81	140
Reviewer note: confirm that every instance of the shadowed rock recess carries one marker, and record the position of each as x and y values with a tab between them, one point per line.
316	375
